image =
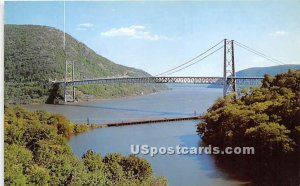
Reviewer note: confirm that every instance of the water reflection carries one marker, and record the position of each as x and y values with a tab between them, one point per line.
275	170
161	113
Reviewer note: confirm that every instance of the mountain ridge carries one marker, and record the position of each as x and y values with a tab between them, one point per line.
34	56
261	71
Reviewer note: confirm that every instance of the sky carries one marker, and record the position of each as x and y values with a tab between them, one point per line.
156	36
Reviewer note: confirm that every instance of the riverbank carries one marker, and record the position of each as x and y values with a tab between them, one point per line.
115	98
265	118
37	153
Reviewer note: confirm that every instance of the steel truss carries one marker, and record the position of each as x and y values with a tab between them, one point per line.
188	80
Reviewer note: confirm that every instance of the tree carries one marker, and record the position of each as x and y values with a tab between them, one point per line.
37	153
267	117
17	164
270	138
93	162
136	168
38	176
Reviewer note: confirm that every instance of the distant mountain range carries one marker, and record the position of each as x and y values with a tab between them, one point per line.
261	71
33	55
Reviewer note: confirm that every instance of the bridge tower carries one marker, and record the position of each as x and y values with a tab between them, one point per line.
229	68
69	91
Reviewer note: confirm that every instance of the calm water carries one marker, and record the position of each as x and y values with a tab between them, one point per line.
179	169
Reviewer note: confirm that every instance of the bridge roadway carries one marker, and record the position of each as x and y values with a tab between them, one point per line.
153	79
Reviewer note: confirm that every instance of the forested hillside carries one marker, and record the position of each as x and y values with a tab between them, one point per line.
34	56
261	71
37	153
267	118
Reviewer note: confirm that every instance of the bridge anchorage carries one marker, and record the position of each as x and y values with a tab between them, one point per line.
229	79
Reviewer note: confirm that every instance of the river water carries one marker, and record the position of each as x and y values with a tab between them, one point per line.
178	102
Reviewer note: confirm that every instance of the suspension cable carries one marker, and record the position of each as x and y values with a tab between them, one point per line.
196	61
259	53
189	61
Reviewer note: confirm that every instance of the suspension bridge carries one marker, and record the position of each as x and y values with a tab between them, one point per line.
229	81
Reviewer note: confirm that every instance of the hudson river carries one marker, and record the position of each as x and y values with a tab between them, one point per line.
180	102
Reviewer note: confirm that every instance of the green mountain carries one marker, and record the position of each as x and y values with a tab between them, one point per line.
34	56
261	71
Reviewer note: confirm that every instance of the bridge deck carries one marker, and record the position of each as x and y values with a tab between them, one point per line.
190	80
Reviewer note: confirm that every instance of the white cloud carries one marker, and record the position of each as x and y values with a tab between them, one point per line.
278	33
134	32
84	26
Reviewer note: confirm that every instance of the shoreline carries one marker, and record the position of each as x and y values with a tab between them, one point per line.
92	99
108	99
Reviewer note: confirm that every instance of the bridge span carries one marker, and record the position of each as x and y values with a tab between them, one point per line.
153	79
229	80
